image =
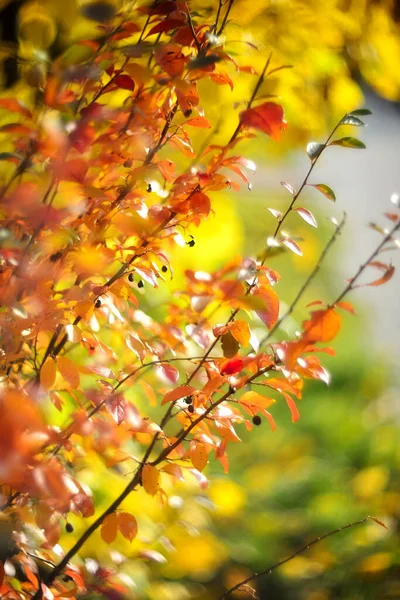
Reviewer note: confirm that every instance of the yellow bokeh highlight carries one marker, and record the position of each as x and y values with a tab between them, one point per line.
228	497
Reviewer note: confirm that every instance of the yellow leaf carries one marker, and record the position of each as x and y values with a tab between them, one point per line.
69	371
241	332
48	374
109	528
150	479
198	455
127	525
84	309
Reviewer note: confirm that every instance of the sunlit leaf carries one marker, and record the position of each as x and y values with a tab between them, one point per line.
325	190
268	117
291	244
314	149
109	528
127	525
351	119
48	374
241	332
177	393
150	479
198	455
69	371
307	216
323	326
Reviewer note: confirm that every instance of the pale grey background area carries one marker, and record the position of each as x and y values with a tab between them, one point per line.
363	181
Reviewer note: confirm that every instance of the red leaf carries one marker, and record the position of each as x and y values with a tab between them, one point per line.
268	117
166	25
232	366
125	82
168	373
200	204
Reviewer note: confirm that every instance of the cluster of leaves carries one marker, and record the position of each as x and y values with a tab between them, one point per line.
92	206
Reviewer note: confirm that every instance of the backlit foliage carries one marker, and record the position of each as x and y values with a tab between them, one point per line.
102	178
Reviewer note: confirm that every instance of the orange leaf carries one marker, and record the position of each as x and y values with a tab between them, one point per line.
109	528
241	332
269	314
346	306
177	393
127	525
267	117
201	122
150	479
256	399
69	371
48	374
385	277
198	455
322	327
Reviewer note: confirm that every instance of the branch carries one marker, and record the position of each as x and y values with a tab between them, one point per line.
303	549
308	281
350	286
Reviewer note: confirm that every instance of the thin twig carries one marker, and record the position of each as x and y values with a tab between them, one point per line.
308	281
292	556
350	286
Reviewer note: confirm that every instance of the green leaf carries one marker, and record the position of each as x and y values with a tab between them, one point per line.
359	112
348	142
314	149
325	190
352	120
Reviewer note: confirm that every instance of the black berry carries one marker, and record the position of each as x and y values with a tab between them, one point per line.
164	268
149	188
131	277
191	408
140	284
97	303
69	528
54	257
257	420
191	243
188	399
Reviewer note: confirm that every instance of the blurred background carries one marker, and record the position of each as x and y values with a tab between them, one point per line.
341	460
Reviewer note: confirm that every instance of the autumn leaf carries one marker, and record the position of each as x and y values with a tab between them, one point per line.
109	528
69	371
48	374
127	525
178	393
150	479
322	327
270	311
241	332
268	117
256	399
198	455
